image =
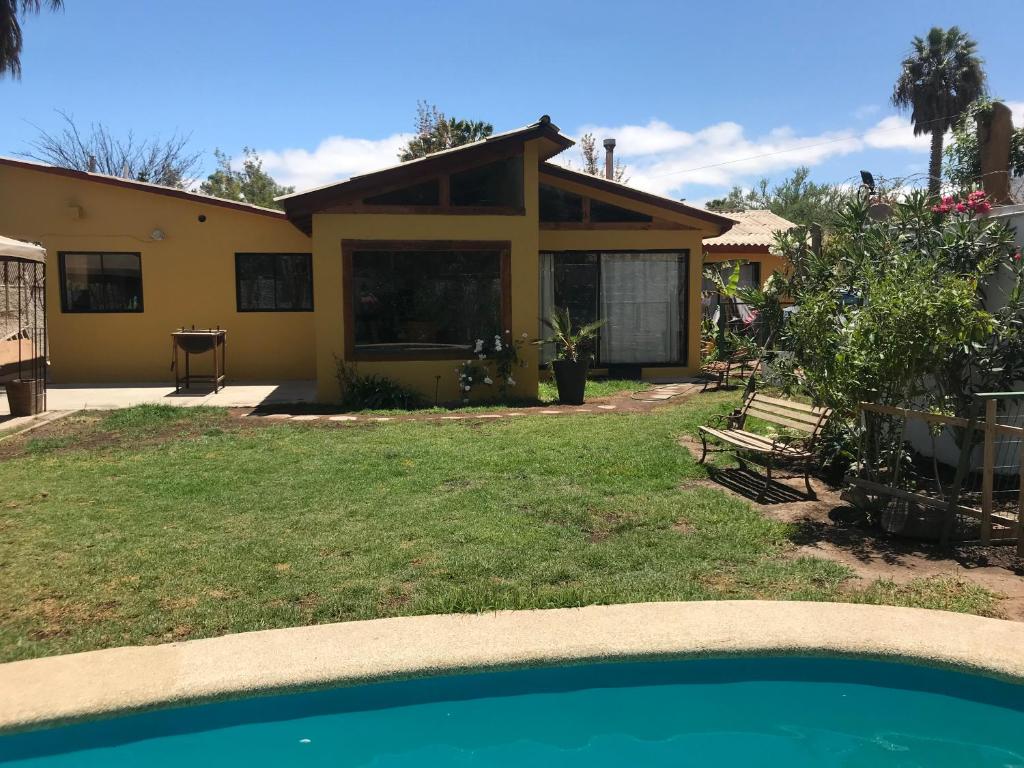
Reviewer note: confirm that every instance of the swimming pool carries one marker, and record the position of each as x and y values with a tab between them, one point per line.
737	711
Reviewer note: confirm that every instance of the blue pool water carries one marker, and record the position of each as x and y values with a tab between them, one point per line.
730	712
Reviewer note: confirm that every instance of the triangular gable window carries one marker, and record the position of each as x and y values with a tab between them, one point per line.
424	193
558	205
606	212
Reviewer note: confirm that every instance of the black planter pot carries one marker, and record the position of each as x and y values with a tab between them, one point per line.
571	379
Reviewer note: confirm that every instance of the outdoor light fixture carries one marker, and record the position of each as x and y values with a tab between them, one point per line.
157	234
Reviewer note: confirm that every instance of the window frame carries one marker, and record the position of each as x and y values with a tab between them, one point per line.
66	309
348	249
238	281
683	296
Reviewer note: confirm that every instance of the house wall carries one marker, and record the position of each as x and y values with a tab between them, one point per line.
769	263
330	229
187	278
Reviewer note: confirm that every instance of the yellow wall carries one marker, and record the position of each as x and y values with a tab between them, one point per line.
769	263
330	229
187	278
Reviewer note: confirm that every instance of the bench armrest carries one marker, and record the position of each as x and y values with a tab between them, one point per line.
732	420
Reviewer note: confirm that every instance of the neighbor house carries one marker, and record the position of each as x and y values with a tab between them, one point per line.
396	271
748	244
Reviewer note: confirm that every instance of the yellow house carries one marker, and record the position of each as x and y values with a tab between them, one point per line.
397	272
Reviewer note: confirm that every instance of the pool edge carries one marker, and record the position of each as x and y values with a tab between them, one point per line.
62	689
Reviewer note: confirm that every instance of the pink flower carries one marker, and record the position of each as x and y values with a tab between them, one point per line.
961	208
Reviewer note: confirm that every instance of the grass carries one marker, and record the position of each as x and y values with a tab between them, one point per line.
548	392
155	524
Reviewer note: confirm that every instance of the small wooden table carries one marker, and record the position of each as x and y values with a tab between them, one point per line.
195	342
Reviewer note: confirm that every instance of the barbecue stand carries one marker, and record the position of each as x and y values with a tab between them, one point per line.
196	342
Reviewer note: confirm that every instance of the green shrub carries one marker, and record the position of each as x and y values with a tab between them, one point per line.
373	392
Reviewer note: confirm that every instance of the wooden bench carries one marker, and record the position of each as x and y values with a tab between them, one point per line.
806	420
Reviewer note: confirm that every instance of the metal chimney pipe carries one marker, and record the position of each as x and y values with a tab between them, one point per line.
609	159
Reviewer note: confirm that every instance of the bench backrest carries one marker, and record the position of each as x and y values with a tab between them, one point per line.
808	419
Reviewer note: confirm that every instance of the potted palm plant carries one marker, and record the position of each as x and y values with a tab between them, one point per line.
573	353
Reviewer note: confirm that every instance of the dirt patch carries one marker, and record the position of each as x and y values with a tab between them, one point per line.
827	527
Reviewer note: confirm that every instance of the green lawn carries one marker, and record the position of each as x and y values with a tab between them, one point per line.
548	392
155	524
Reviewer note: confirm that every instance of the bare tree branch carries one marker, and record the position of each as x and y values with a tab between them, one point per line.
170	162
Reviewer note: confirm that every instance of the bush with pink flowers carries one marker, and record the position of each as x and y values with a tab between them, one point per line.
974	204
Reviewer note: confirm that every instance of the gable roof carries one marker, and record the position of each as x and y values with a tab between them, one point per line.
624	190
141	186
753	229
301	205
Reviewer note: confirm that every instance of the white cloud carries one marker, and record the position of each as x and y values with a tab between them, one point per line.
1017	108
335	158
660	157
896	132
866	111
664	160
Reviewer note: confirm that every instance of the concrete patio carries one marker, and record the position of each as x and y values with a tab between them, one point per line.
75	397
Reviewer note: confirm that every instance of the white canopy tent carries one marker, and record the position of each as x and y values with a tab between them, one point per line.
23	347
19	249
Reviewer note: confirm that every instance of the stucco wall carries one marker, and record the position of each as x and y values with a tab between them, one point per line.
188	278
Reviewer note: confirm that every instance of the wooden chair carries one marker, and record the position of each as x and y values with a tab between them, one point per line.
767	451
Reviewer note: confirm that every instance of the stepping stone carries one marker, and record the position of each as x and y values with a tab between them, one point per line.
659	397
344	418
488	415
382	418
551	412
608	407
452	418
306	417
515	414
277	416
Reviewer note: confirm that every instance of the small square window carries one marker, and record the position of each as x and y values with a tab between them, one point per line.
274	282
100	282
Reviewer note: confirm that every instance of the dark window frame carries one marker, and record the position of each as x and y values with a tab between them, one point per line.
66	309
238	282
683	258
349	247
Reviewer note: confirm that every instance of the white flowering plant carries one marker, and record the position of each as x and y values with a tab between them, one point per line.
496	360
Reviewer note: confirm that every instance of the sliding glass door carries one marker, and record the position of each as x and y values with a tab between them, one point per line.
640	294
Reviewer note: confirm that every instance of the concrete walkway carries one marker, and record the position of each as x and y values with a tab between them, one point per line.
74	397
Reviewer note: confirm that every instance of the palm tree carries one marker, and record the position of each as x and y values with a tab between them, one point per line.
938	80
10	31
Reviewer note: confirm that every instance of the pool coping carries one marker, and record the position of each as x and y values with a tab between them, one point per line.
62	689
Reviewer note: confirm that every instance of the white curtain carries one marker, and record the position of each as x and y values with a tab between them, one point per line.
547	303
640	301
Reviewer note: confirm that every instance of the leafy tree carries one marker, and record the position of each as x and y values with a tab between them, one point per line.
963	155
435	132
893	311
10	31
796	198
592	162
250	184
937	83
170	163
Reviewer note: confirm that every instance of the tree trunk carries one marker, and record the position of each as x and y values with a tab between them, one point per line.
935	165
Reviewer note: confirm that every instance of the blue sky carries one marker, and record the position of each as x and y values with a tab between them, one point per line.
326	89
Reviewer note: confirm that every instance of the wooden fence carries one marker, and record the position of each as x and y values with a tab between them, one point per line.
972	490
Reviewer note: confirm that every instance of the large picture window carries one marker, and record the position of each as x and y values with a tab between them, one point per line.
423	300
274	282
100	282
